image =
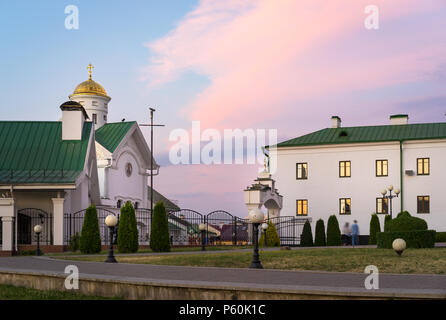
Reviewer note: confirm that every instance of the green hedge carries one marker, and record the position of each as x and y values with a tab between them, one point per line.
414	239
127	230
90	241
387	221
306	238
272	237
440	237
405	222
374	228
333	232
319	239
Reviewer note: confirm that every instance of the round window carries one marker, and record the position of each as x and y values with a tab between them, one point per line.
128	169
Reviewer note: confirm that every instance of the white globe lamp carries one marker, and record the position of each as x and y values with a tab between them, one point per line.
399	245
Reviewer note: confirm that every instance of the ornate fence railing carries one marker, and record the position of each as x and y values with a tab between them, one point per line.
221	227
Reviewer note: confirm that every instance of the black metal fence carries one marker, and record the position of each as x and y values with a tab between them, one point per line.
221	227
27	219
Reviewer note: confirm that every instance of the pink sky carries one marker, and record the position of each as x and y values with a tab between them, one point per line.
290	65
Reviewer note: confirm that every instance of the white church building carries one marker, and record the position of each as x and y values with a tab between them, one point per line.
343	170
48	169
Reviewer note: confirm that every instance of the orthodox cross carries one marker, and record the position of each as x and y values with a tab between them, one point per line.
90	66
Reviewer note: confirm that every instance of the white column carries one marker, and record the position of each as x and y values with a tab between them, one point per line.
7	207
58	220
7	231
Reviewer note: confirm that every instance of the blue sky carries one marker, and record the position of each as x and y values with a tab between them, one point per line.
285	65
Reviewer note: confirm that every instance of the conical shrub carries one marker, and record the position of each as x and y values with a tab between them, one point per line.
272	237
306	238
387	221
333	232
374	228
127	230
90	241
319	240
159	235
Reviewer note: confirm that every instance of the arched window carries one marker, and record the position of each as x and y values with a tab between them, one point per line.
136	205
119	203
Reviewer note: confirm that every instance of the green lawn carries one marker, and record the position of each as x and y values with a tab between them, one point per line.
20	293
425	261
179	249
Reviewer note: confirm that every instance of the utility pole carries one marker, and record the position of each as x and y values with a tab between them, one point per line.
151	125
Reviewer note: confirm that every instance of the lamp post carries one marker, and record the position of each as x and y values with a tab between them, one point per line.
202	228
390	196
256	217
111	222
38	230
264	227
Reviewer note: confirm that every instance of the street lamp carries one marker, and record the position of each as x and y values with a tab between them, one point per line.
38	230
264	227
202	228
390	196
111	221
256	217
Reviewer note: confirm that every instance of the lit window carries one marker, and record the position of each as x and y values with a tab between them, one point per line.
382	168
301	170
302	207
423	166
382	205
345	169
423	204
345	206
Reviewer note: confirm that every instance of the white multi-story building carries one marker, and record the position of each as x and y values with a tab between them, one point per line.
343	170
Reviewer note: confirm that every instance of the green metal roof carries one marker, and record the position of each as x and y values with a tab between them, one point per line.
33	152
110	135
420	131
157	197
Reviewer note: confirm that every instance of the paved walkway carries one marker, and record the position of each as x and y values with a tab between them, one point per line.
242	278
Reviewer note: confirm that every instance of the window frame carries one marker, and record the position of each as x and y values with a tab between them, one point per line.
94	118
424	205
340	206
382	167
386	200
306	170
345	173
297	207
423	173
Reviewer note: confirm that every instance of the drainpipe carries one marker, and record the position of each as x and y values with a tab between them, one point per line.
401	176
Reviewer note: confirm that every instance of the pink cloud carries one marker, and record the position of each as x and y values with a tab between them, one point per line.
262	55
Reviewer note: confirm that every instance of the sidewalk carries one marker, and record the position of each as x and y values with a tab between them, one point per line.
305	282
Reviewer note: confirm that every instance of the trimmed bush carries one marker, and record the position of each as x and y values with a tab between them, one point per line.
414	239
333	232
159	235
306	238
319	239
387	221
74	242
440	237
127	230
405	222
272	237
90	241
374	228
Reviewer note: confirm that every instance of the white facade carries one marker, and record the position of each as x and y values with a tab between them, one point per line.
96	107
324	187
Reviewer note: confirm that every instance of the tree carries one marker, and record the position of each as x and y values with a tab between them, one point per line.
127	230
90	241
333	232
159	235
374	228
306	238
272	237
319	240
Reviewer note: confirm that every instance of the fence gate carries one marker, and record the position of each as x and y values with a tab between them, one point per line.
27	219
220	228
289	229
184	227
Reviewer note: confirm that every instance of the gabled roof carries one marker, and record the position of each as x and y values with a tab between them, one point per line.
110	135
33	152
157	197
406	132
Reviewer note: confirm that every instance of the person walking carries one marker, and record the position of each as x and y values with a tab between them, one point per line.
355	233
346	233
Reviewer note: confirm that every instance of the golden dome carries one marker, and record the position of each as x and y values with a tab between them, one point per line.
90	87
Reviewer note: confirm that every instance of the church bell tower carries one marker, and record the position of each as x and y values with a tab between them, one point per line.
93	97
